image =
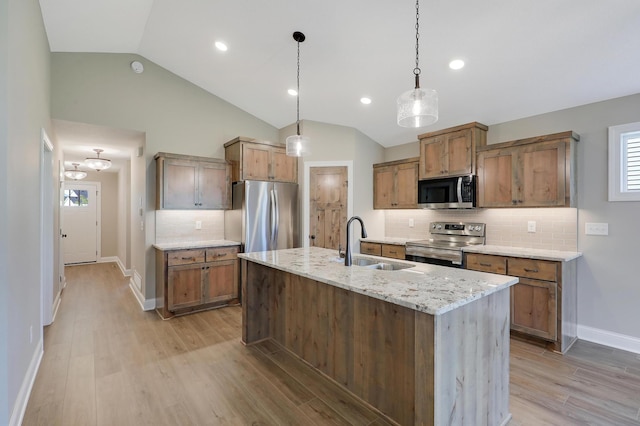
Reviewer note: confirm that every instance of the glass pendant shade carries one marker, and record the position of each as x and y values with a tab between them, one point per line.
75	174
96	162
298	146
418	108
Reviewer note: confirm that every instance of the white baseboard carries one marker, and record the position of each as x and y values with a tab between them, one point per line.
27	385
126	272
609	338
56	305
145	304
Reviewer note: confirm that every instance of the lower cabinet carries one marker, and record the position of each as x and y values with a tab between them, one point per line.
538	307
192	280
393	251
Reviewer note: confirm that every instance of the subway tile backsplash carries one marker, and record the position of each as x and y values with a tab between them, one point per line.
556	228
180	225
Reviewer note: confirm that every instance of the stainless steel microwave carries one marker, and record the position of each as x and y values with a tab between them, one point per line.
447	193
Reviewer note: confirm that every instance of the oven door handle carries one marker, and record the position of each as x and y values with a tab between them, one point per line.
459	189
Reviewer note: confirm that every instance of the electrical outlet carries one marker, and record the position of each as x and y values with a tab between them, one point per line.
411	223
596	228
198	224
531	226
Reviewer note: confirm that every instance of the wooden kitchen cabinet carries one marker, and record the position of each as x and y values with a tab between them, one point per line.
194	280
185	182
395	184
260	160
452	151
394	251
534	172
543	303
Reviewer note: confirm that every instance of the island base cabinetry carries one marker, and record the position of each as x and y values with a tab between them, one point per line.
412	367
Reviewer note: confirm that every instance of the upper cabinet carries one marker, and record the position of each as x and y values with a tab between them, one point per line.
395	184
534	172
260	160
185	182
451	152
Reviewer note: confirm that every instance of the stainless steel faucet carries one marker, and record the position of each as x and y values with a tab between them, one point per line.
347	255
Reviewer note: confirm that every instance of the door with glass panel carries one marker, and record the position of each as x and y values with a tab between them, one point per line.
80	233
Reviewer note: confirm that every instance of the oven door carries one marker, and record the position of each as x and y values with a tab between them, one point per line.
434	256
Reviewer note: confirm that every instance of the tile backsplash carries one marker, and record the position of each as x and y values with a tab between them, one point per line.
180	225
556	228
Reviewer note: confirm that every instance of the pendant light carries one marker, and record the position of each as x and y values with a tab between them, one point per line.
298	145
417	107
75	174
96	162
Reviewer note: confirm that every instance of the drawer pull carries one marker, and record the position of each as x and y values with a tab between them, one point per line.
531	270
393	252
221	254
488	265
189	258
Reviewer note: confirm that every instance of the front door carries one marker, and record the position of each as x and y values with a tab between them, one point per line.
80	222
328	206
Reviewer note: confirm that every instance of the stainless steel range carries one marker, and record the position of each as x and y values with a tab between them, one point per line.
446	243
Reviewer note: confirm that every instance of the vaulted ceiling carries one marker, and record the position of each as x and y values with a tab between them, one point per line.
522	57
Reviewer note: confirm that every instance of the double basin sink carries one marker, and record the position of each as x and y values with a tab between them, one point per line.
373	263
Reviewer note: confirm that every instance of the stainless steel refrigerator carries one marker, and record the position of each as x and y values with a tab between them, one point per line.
264	216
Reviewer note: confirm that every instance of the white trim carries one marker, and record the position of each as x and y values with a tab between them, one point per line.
46	230
27	385
609	338
56	305
145	304
305	195
615	163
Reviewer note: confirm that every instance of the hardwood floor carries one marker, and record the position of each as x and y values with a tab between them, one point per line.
108	363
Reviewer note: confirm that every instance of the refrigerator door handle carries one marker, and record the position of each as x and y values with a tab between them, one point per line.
274	218
276	222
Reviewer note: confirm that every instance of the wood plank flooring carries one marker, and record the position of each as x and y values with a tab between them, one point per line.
108	363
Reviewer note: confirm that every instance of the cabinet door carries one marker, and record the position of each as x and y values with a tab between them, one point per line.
255	162
184	286
542	175
383	183
459	160
406	186
433	153
371	248
284	168
179	184
496	186
221	281
534	308
486	263
214	186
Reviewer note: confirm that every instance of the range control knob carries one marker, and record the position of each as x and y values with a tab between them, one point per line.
439	226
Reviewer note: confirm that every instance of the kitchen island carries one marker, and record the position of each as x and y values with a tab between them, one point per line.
423	345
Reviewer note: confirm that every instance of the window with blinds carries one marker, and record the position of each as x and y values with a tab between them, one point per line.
624	162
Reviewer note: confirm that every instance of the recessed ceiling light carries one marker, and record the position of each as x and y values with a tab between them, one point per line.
365	101
456	64
292	92
221	46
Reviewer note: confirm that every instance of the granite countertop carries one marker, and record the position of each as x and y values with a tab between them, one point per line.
427	288
183	245
528	253
387	240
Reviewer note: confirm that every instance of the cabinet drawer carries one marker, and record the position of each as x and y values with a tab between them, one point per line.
185	257
222	253
537	269
486	263
393	251
374	249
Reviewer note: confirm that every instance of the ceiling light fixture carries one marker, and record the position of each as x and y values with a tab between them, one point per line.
96	162
75	174
365	101
221	46
298	145
292	92
456	64
417	107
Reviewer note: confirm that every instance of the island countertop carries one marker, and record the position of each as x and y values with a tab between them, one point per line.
426	288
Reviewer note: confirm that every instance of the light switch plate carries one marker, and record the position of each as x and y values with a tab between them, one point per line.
596	228
198	224
411	223
531	226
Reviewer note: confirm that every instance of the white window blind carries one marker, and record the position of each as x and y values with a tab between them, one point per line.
624	162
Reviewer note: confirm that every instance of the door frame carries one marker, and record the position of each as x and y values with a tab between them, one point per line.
98	186
306	192
48	304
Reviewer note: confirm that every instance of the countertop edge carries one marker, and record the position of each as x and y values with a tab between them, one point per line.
526	253
184	245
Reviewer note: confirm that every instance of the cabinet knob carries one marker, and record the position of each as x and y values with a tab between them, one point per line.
313	237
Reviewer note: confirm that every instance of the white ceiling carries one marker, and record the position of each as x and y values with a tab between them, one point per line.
523	57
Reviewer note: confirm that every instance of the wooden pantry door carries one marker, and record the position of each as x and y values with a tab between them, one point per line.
328	206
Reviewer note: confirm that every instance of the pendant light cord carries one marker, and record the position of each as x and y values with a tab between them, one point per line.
298	96
416	70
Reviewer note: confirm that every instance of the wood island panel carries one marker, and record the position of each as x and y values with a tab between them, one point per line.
413	367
